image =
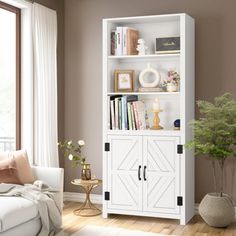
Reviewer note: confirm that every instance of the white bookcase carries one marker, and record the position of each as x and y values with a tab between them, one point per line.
145	172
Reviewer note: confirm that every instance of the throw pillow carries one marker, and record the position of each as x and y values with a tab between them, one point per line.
8	172
25	172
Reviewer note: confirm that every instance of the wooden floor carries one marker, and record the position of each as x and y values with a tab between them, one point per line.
196	227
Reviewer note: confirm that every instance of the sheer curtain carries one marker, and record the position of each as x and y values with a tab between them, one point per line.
45	86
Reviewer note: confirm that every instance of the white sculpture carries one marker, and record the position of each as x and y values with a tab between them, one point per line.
141	48
143	77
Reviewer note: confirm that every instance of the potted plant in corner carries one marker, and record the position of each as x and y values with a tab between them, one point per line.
215	138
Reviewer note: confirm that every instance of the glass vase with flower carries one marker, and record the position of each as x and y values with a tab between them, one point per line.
74	153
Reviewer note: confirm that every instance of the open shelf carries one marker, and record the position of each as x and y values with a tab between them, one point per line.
146	132
150	56
142	93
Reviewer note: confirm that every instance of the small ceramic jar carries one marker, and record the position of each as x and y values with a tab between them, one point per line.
171	87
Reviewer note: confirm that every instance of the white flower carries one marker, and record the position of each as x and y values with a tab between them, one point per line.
70	157
81	142
58	144
69	143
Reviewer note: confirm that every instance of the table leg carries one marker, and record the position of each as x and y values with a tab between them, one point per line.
87	208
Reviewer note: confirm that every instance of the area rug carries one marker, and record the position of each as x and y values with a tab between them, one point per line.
92	230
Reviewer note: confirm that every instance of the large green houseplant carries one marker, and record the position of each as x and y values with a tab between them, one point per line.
215	138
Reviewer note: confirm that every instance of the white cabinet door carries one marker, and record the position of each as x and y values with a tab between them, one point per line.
162	171
124	162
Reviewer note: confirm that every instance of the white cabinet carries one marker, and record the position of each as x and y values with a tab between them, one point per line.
148	172
124	162
142	175
161	185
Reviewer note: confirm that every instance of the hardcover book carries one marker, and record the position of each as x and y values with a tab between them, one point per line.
132	36
113	42
119	39
112	115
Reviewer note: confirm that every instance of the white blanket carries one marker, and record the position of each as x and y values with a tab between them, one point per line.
43	197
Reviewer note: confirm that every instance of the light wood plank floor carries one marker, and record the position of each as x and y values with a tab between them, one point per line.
196	227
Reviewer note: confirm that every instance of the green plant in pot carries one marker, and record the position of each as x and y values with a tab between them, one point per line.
215	138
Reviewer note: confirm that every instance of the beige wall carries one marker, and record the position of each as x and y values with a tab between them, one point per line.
215	67
58	5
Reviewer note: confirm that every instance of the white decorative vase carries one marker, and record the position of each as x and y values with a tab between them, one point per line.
217	211
171	87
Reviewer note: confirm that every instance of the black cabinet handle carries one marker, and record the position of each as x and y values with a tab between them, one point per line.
139	170
144	173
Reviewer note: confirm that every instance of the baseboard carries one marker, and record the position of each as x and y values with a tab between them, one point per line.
80	197
97	199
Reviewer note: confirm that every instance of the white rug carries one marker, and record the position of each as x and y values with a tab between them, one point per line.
92	230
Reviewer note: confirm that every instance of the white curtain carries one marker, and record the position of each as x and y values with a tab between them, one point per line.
45	86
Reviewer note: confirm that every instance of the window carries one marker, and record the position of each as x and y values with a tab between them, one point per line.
9	77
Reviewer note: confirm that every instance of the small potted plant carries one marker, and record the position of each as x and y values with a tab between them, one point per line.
215	138
74	153
172	82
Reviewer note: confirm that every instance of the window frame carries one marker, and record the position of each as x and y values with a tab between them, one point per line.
17	11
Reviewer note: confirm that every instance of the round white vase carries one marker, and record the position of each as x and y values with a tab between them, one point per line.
217	211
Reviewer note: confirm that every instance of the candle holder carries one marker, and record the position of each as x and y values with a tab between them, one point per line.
156	120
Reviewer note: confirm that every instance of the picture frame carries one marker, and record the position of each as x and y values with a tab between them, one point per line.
124	80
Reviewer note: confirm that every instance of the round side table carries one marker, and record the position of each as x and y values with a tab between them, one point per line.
87	208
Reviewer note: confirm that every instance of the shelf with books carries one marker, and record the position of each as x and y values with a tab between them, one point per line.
133	112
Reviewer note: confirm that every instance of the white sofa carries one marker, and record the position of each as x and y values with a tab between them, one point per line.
19	216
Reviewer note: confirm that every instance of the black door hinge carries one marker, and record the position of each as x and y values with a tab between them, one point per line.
180	149
179	201
107	196
107	147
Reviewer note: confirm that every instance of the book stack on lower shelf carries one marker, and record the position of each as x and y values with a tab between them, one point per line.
127	113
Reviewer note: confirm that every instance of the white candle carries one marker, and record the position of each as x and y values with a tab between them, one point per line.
156	105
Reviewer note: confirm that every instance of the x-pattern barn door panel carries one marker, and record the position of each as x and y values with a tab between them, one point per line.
124	159
161	188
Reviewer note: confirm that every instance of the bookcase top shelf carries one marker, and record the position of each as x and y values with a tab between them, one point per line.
150	56
143	93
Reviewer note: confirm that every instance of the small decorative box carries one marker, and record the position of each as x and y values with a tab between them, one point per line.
167	45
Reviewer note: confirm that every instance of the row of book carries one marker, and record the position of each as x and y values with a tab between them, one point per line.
124	41
126	113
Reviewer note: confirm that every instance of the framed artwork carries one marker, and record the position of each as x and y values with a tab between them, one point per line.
124	80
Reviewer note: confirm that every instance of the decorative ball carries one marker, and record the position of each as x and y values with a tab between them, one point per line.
177	124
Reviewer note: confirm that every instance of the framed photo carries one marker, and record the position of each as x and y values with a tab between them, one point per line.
124	80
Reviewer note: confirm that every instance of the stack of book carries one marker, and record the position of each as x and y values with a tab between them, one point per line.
124	41
126	113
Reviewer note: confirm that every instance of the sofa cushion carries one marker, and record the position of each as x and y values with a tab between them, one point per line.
8	172
22	165
25	172
15	211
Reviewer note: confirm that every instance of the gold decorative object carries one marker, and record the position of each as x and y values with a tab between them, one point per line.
87	209
156	120
85	172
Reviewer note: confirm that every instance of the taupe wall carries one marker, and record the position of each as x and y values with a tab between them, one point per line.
215	68
58	5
